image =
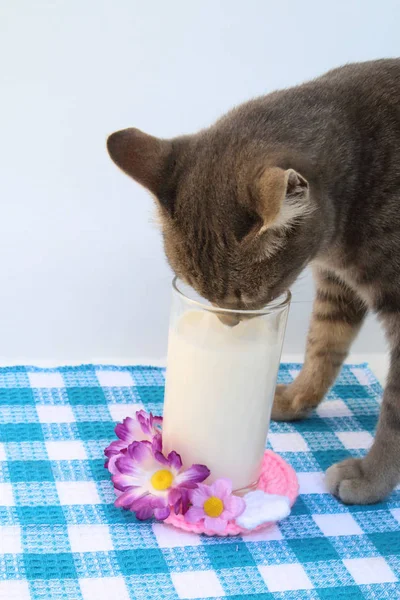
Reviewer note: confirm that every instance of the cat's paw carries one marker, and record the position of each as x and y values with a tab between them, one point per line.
348	481
288	406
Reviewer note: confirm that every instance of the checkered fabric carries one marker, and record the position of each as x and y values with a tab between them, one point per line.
61	537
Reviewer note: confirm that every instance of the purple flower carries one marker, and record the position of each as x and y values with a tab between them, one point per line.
215	504
150	424
113	452
150	483
145	427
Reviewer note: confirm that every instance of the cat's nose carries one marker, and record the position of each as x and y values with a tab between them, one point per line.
229	319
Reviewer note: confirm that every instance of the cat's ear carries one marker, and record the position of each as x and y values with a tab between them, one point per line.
141	156
282	198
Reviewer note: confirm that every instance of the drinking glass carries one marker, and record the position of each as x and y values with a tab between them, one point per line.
221	376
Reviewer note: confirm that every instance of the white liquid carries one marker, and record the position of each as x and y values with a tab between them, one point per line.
219	393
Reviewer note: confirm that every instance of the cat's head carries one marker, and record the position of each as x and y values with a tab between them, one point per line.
238	225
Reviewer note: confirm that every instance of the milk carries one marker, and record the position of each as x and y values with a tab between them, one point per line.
219	393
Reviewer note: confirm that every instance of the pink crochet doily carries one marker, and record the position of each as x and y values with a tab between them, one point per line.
277	477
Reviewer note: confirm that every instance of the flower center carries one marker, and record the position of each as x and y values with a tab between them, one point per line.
213	507
161	480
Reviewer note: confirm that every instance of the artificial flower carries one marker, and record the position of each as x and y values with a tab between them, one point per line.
151	483
150	424
215	504
144	427
263	508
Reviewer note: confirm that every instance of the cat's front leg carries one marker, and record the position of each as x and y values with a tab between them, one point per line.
337	316
371	479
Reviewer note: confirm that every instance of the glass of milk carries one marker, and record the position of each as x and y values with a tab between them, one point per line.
220	384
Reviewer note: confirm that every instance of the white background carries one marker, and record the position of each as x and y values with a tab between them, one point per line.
82	268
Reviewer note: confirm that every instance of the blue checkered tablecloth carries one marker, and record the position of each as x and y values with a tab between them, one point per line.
61	537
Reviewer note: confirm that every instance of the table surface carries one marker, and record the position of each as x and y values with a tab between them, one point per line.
61	537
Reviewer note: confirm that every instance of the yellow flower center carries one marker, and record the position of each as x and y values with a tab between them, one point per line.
162	480
213	507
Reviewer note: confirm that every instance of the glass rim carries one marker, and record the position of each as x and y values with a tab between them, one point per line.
278	303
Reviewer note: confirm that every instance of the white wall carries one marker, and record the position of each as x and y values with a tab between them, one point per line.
82	269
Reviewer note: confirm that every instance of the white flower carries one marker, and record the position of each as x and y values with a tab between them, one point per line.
263	508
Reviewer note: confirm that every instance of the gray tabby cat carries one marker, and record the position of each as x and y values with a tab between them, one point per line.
308	175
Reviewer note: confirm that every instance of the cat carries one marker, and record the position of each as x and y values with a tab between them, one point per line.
304	176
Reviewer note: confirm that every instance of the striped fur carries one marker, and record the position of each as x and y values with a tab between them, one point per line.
308	175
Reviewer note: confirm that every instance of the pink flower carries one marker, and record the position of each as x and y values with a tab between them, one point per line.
150	483
145	427
215	504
